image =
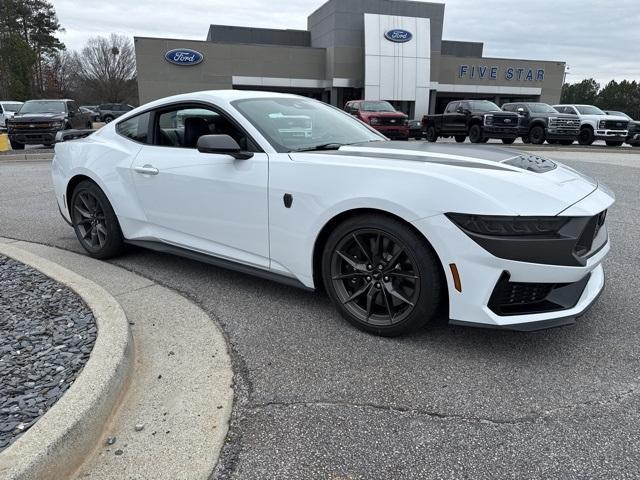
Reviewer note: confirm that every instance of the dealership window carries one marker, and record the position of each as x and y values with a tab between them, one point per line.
135	128
182	127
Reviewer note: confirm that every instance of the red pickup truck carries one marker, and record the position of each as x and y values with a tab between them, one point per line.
382	116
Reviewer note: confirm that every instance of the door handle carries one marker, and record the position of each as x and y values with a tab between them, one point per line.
147	170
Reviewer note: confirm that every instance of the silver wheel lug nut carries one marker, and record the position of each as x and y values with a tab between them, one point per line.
386	279
377	285
368	278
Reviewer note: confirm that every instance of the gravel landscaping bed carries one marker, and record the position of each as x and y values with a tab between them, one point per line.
46	336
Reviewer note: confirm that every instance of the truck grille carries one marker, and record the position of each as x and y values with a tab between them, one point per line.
31	126
564	122
505	121
394	122
614	124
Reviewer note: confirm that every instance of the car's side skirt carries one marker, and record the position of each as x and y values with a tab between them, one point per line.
219	262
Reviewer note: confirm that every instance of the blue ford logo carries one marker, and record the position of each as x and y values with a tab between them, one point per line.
183	56
398	36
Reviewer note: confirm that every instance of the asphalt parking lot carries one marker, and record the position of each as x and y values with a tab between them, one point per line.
317	399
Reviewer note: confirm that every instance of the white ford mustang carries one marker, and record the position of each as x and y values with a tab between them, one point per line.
292	189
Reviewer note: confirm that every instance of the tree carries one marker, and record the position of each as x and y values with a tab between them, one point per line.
35	22
584	92
17	61
109	68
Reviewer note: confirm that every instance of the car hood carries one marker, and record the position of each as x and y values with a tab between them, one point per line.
513	182
39	117
384	114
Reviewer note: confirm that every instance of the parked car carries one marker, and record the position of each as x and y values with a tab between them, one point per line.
633	137
109	111
415	129
38	121
391	230
540	122
93	114
597	125
7	109
382	116
479	120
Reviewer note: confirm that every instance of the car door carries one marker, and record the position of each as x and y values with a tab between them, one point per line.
449	117
207	202
76	118
524	116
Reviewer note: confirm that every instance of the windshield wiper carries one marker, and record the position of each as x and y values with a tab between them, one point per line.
322	146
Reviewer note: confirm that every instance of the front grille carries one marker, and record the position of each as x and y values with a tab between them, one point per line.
520	298
32	126
555	122
391	121
507	121
614	124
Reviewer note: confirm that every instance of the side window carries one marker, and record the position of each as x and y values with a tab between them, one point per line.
182	127
72	106
508	107
451	108
135	128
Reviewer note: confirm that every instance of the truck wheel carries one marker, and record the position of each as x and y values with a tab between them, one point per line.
537	135
475	133
508	141
432	135
586	136
461	138
15	145
107	118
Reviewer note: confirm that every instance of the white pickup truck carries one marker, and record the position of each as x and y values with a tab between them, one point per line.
7	110
597	125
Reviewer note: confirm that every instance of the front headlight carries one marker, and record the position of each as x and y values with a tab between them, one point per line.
507	226
375	121
57	124
488	119
601	124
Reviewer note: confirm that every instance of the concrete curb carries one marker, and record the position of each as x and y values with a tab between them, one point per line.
59	441
26	157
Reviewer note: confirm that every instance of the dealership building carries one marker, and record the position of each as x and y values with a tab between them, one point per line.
352	49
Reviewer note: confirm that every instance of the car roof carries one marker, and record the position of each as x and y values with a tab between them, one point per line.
50	100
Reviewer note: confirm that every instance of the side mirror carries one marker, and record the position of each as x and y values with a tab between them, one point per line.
522	111
222	144
459	110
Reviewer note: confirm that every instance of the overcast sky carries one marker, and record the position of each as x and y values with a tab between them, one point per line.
596	38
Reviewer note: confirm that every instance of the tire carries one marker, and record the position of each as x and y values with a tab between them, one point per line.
566	142
92	213
537	135
390	303
15	145
586	136
431	134
460	138
475	133
611	143
107	118
508	141
525	139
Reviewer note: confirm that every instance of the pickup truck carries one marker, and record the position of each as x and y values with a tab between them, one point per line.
597	125
381	116
540	122
633	137
480	120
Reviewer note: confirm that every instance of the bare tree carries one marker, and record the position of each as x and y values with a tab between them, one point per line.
65	75
109	68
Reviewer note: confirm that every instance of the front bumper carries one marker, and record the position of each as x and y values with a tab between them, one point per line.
481	272
492	131
562	133
611	135
35	137
393	132
634	139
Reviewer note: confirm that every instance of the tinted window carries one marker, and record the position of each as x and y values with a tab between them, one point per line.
378	107
135	128
73	106
509	107
181	127
589	110
483	106
451	108
43	106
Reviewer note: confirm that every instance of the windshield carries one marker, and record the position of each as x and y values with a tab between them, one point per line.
45	106
589	110
377	107
541	108
484	106
11	107
291	124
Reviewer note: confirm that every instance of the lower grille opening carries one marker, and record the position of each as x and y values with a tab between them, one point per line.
520	298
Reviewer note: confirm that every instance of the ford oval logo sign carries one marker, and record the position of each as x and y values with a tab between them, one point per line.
398	36
183	56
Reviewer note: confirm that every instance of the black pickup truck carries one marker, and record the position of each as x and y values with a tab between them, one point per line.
480	120
540	122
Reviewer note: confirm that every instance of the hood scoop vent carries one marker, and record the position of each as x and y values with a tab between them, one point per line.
532	163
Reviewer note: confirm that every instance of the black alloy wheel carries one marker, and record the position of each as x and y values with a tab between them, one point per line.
95	222
381	275
107	118
16	145
475	134
586	136
611	143
432	135
537	135
460	138
508	141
